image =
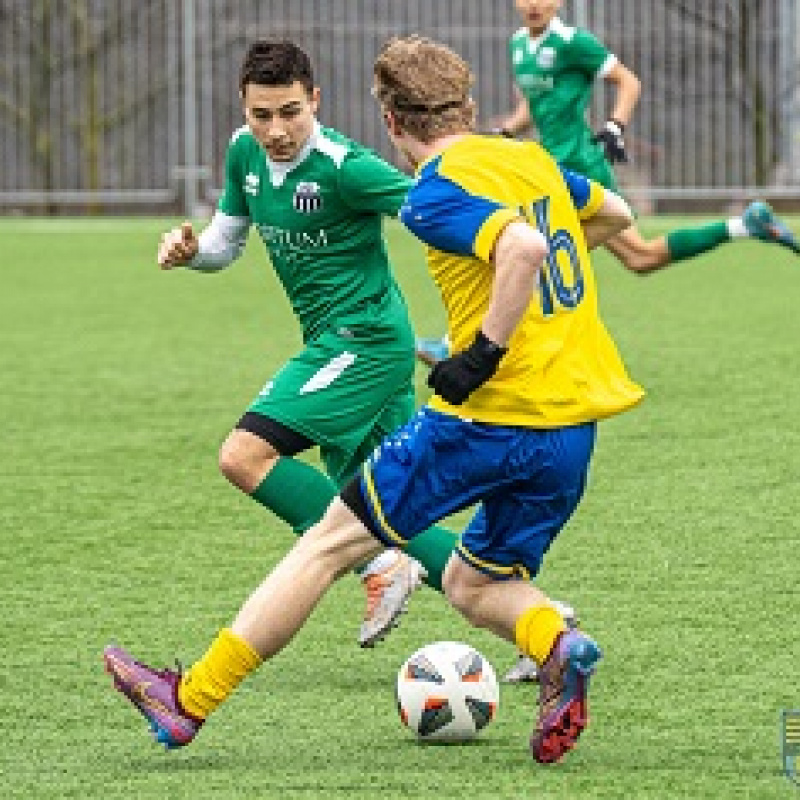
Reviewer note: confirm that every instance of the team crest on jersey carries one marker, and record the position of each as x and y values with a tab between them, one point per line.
307	197
546	57
251	183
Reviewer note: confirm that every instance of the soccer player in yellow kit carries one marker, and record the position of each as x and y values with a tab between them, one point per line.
512	426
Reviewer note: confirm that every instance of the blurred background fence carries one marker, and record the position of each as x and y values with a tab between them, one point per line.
127	105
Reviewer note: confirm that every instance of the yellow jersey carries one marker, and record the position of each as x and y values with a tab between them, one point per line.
562	367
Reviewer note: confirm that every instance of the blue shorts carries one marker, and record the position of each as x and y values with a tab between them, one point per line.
528	483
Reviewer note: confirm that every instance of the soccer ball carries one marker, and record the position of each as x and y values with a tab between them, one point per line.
447	692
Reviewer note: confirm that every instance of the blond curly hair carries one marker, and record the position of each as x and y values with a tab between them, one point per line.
426	86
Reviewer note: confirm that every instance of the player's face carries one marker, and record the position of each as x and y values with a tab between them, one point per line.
280	117
536	14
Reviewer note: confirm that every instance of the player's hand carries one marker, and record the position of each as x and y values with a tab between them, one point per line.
455	378
612	140
178	247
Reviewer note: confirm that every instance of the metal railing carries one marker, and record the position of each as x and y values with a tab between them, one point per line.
129	105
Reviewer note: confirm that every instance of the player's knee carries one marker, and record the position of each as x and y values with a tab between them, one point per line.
231	464
244	469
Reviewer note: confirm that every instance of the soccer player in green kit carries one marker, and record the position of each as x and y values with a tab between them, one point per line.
317	200
555	68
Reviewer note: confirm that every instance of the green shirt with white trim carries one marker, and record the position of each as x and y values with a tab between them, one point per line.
320	218
555	72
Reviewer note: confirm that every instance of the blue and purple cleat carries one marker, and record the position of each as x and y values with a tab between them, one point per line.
761	223
154	692
563	687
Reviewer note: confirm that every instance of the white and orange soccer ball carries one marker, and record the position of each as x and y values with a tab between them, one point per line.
447	692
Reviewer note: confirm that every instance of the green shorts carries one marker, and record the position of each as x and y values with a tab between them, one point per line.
346	392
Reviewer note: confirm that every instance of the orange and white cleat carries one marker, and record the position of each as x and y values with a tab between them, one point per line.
387	597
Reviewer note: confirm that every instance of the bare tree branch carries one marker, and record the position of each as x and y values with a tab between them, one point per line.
688	9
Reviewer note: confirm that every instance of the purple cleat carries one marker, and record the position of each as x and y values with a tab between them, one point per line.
155	693
563	685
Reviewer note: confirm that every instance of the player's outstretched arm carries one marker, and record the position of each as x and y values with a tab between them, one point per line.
220	243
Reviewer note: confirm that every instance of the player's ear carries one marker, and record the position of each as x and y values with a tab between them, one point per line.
314	98
391	122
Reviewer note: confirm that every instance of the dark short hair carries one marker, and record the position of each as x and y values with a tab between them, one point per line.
276	63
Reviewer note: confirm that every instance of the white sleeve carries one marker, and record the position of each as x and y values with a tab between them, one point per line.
221	242
609	64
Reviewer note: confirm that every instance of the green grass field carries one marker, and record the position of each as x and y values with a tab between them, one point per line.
120	382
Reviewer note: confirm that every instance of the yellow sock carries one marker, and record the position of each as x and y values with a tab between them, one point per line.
212	679
536	630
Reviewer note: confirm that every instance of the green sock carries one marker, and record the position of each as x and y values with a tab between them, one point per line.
296	493
432	548
689	242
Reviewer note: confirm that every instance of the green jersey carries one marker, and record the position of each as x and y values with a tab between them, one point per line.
320	217
555	72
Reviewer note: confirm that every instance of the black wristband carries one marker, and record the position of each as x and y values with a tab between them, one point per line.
487	351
